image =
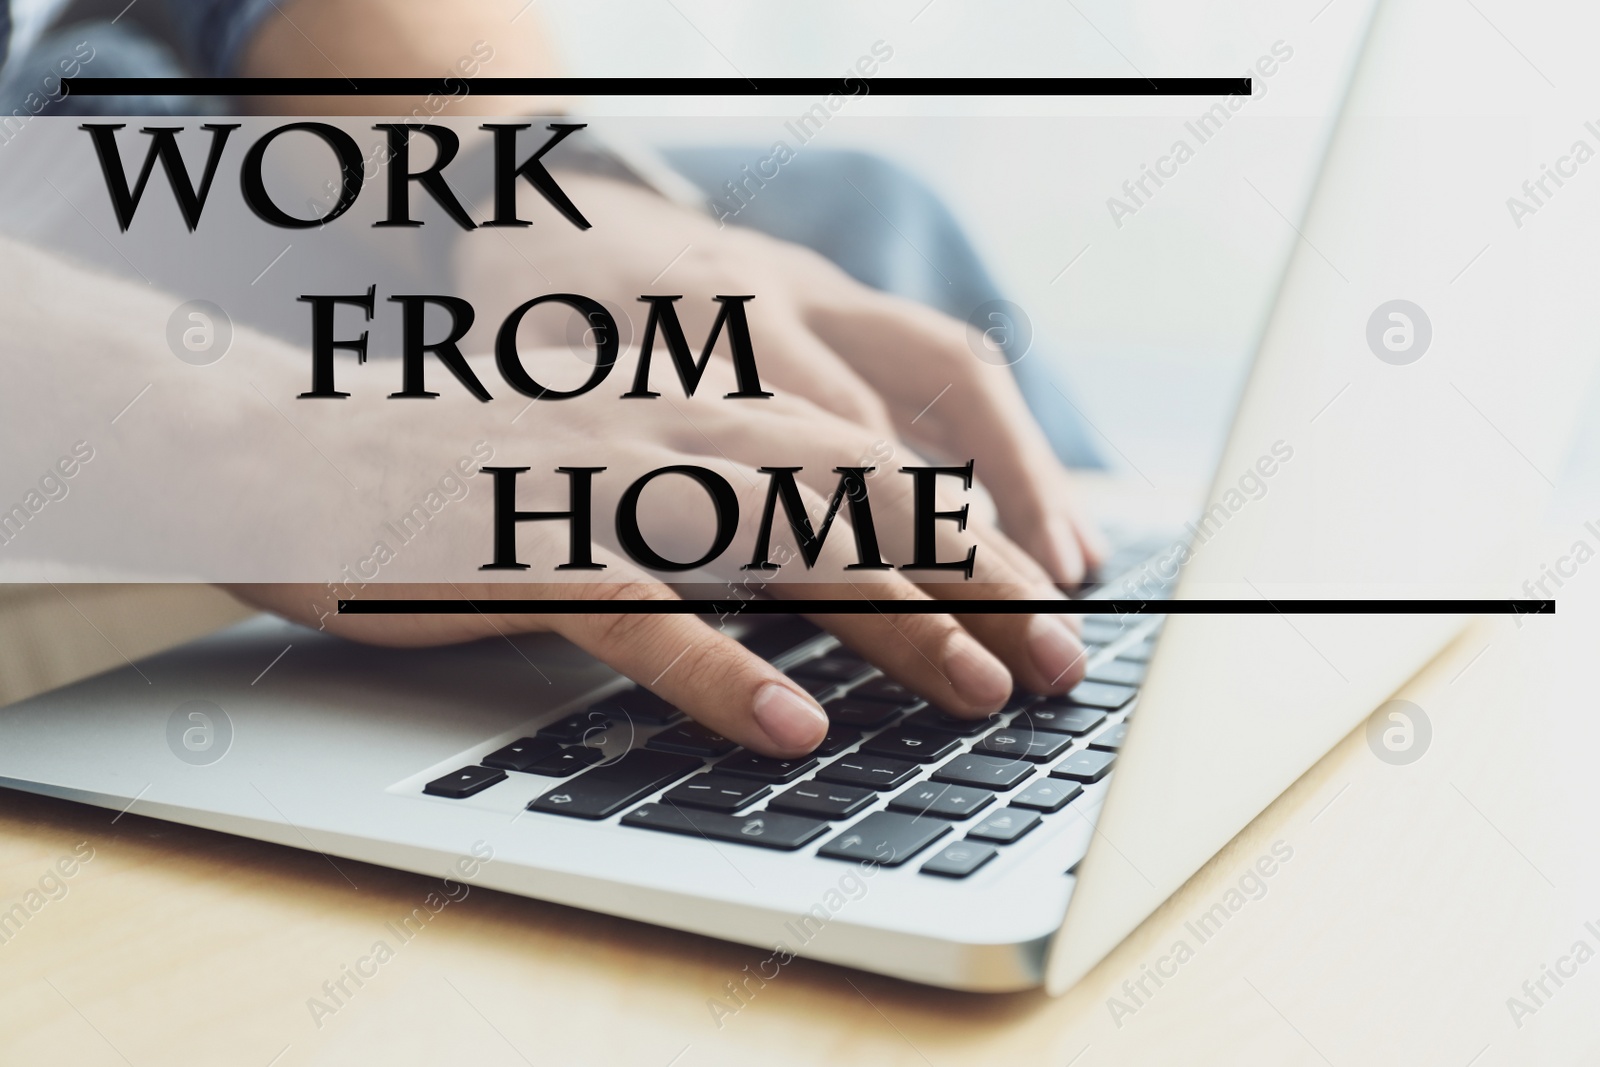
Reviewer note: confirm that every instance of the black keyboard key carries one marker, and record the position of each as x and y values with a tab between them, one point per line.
886	690
934	719
766	768
639	706
604	791
943	800
521	754
1048	795
717	792
907	742
960	859
986	772
886	838
1117	672
860	714
1111	740
762	828
874	772
1059	717
578	729
565	761
1084	766
1006	825
1031	745
691	739
770	640
1100	695
837	739
1019	700
820	689
822	800
839	668
464	783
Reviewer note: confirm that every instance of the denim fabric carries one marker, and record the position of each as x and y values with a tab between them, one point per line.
211	33
888	230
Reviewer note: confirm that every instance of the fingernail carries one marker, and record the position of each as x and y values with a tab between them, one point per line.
1056	652
977	677
793	722
1069	552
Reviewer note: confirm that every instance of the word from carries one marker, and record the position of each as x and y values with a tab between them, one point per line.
415	348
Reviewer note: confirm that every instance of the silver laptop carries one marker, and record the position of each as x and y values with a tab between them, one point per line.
991	856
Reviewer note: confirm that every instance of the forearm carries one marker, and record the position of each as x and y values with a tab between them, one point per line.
396	38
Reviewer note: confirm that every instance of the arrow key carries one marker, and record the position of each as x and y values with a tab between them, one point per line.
886	838
764	829
960	859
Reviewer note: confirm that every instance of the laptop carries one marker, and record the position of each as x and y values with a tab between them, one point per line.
988	856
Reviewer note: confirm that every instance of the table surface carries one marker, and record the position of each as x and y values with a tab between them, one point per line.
1418	900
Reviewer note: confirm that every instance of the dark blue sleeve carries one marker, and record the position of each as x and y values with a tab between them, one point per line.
5	30
213	33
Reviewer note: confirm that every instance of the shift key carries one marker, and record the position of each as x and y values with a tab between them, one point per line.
607	789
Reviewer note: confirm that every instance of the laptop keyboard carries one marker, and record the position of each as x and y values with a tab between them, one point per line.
893	778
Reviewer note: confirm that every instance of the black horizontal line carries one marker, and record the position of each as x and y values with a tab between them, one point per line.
843	86
735	606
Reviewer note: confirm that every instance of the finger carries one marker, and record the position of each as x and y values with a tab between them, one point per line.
980	413
933	655
806	367
708	675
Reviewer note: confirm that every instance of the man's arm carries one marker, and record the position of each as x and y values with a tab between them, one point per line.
394	38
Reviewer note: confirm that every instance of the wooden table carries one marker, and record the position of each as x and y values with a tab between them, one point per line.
1418	900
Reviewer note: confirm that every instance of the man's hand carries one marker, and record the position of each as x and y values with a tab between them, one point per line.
886	364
